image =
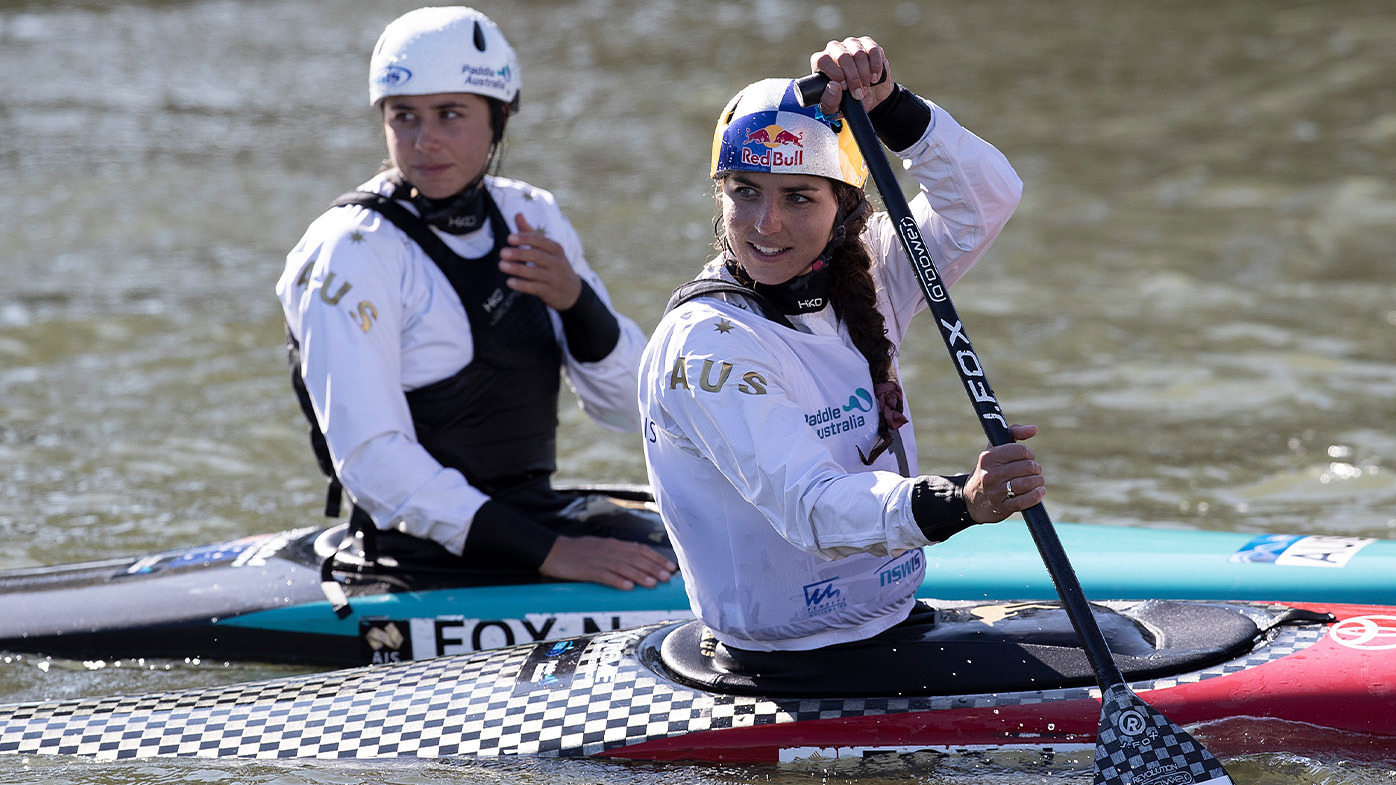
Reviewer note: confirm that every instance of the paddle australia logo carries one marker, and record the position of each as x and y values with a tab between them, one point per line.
823	597
484	76
1293	550
841	417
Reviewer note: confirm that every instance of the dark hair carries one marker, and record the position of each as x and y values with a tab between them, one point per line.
852	292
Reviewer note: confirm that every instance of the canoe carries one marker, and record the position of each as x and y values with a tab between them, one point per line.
1309	676
259	598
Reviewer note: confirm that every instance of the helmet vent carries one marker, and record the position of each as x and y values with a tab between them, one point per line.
479	37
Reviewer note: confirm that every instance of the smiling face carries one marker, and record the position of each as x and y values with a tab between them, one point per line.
440	142
777	224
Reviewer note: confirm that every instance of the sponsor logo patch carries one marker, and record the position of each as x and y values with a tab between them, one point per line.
1293	550
903	567
1367	633
394	76
841	418
244	552
384	640
773	147
550	665
823	597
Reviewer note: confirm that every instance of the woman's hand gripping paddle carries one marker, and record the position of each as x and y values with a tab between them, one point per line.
1136	744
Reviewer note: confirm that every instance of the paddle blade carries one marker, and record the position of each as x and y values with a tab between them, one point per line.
1137	745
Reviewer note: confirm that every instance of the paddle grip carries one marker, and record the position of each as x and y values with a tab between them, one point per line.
970	369
810	88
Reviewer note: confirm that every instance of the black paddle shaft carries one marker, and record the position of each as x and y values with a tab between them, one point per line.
971	372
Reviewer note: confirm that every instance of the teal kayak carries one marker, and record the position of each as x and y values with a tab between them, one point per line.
260	598
1119	562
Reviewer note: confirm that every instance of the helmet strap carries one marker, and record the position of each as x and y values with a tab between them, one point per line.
499	116
826	256
841	221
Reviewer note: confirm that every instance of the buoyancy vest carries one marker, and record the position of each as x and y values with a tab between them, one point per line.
495	421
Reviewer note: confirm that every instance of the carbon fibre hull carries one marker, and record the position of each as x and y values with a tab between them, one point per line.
1326	685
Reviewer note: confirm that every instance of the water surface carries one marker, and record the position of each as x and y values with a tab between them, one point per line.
1194	301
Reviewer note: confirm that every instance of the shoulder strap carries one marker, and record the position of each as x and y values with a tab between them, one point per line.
402	218
705	287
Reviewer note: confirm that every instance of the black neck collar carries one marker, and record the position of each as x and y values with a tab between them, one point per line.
462	213
805	293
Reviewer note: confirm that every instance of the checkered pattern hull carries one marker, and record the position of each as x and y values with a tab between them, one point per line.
511	702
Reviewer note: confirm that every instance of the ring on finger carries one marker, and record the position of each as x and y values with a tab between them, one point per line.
1008	486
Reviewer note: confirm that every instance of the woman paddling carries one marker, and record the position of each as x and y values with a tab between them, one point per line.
776	439
430	314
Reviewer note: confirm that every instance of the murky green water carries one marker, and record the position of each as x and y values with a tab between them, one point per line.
1196	300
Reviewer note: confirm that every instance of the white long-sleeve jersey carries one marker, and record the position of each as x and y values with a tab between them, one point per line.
375	318
785	539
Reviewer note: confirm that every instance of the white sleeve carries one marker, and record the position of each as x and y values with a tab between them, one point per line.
343	297
754	433
968	190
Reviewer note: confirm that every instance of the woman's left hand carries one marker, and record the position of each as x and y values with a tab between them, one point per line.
537	265
855	64
1006	479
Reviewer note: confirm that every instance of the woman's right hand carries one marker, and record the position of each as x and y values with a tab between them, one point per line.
1006	479
855	64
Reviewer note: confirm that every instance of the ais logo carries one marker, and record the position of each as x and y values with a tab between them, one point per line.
383	641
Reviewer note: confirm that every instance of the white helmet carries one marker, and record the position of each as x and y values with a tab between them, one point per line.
443	50
765	129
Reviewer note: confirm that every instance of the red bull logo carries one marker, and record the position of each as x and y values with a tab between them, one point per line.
772	138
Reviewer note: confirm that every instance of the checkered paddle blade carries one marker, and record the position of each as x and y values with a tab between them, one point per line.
1139	746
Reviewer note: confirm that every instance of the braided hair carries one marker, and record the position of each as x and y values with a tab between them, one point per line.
852	292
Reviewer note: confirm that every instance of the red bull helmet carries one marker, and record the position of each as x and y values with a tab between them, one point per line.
764	129
443	50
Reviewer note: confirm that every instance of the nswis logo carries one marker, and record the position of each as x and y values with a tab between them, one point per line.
901	568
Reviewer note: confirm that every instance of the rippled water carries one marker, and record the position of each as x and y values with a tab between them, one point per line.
1195	300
